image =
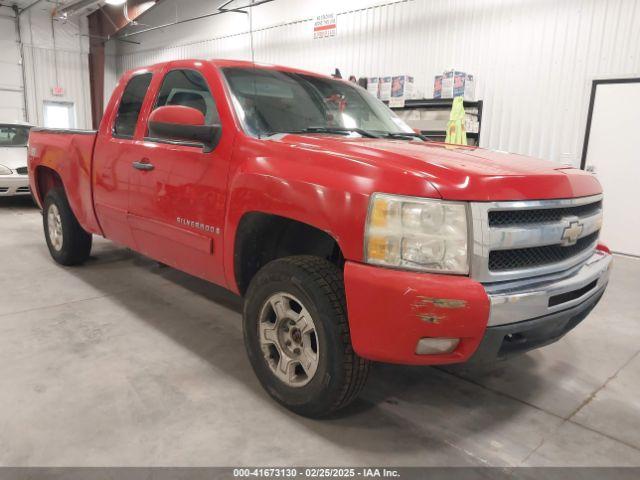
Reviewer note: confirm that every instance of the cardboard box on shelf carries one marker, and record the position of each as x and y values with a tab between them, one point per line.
385	88
437	87
469	89
373	86
402	87
453	84
471	124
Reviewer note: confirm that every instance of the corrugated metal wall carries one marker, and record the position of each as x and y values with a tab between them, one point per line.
11	88
534	59
55	54
66	68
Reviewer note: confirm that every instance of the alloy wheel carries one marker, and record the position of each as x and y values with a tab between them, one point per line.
288	339
54	225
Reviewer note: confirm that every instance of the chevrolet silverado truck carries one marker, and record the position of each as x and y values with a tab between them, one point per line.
350	237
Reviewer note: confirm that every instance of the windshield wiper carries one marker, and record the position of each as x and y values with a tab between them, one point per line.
338	130
406	135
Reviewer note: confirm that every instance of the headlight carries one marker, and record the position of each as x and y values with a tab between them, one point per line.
417	234
4	170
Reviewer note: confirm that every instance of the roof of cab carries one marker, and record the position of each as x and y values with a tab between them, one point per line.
221	63
224	63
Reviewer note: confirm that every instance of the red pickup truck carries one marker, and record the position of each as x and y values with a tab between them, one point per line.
351	237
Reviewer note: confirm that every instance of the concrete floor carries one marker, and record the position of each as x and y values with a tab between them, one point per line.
124	362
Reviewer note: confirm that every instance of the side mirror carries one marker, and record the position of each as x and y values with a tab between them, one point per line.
180	123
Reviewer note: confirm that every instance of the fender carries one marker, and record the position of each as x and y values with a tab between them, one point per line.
68	154
327	191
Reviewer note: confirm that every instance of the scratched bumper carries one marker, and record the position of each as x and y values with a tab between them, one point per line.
390	310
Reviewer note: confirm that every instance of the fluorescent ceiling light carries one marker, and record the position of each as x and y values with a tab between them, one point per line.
116	2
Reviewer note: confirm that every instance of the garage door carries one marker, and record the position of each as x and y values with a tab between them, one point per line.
11	97
612	154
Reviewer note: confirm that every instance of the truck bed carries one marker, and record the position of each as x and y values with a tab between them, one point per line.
69	153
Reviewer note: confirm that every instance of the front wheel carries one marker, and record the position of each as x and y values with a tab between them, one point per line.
68	243
297	336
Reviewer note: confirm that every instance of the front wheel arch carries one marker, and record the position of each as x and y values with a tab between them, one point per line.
261	238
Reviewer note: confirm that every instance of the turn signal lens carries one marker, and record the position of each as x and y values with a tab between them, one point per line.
381	211
382	248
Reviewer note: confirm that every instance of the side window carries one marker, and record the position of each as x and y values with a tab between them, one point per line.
188	88
130	105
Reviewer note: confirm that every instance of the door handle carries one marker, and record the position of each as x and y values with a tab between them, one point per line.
143	165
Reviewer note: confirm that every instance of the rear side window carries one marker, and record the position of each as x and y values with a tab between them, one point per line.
188	88
131	104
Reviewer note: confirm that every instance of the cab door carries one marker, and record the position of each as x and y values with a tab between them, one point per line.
178	189
113	153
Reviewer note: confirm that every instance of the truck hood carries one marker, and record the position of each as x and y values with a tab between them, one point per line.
13	157
456	172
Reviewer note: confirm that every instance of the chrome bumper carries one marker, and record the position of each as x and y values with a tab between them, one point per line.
517	301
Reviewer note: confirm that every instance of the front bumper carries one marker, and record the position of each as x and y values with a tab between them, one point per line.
505	340
391	310
11	185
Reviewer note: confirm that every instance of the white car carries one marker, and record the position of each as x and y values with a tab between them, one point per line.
14	178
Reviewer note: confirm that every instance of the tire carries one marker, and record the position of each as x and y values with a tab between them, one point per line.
309	287
68	243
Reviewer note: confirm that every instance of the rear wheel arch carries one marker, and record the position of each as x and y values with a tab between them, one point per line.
262	237
46	179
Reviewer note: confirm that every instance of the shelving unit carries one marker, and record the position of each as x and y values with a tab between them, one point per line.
444	104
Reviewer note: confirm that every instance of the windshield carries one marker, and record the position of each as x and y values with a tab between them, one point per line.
271	101
13	136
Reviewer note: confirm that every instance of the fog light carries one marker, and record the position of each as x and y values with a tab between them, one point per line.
436	346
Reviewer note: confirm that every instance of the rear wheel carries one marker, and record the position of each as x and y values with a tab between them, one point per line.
297	336
68	243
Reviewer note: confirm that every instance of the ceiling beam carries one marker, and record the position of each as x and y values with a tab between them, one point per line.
219	11
73	7
104	23
28	7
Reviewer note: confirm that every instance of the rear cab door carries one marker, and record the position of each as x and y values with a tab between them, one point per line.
177	205
115	150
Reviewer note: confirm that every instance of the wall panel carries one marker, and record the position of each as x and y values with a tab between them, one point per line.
11	88
55	54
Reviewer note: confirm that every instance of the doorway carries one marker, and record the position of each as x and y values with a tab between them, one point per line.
611	152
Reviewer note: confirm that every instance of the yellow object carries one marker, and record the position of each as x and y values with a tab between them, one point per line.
379	213
456	133
377	248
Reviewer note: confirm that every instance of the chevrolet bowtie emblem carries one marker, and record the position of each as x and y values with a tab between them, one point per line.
571	233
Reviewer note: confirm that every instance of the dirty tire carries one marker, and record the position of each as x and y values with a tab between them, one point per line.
75	246
340	374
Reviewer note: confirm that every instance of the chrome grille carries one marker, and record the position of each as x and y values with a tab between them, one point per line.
521	239
500	260
543	215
